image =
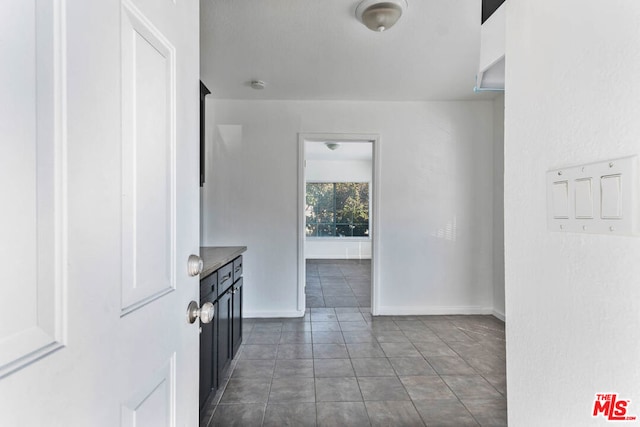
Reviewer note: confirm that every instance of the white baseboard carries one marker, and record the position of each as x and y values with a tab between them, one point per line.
429	311
335	256
390	311
271	314
499	315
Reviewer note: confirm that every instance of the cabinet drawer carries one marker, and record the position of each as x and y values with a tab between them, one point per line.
225	278
209	285
237	268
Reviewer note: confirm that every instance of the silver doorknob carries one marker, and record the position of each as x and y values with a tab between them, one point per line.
195	265
205	313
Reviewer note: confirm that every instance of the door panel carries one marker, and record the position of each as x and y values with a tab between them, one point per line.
159	214
148	161
99	160
153	405
32	173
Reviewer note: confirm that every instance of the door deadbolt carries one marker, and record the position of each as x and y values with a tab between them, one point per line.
195	265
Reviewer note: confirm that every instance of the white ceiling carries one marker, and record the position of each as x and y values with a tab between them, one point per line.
315	150
317	50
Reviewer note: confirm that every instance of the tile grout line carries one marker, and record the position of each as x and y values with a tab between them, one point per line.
447	384
472	367
403	332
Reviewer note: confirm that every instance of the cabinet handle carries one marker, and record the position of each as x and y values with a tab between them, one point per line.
227	277
238	269
234	290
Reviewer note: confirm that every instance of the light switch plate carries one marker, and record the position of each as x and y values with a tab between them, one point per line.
601	198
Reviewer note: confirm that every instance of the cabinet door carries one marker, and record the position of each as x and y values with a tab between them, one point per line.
237	315
206	361
208	347
214	351
225	313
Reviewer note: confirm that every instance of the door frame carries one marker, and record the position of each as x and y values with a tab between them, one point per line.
374	139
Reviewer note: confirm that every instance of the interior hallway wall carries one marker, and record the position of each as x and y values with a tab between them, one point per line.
572	300
498	207
436	189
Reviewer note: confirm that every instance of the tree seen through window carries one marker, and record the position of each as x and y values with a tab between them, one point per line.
337	209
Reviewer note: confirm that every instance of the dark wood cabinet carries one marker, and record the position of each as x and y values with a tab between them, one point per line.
220	339
225	313
488	7
206	365
208	341
225	278
236	297
204	91
237	268
206	361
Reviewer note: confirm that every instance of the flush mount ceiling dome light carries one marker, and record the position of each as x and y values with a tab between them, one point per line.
379	15
332	145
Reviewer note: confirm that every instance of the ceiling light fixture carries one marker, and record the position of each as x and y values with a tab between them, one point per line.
258	84
332	145
379	15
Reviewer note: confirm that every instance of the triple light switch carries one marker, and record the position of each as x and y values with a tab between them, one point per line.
596	198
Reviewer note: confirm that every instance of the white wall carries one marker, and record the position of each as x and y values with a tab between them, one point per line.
436	198
572	300
338	171
338	248
498	207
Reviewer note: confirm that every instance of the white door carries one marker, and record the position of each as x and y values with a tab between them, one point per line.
98	212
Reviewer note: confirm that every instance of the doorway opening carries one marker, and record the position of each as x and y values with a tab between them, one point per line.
338	221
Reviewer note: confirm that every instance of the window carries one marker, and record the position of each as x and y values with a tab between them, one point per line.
337	209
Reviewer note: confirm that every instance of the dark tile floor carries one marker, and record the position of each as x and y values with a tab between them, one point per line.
339	366
338	283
